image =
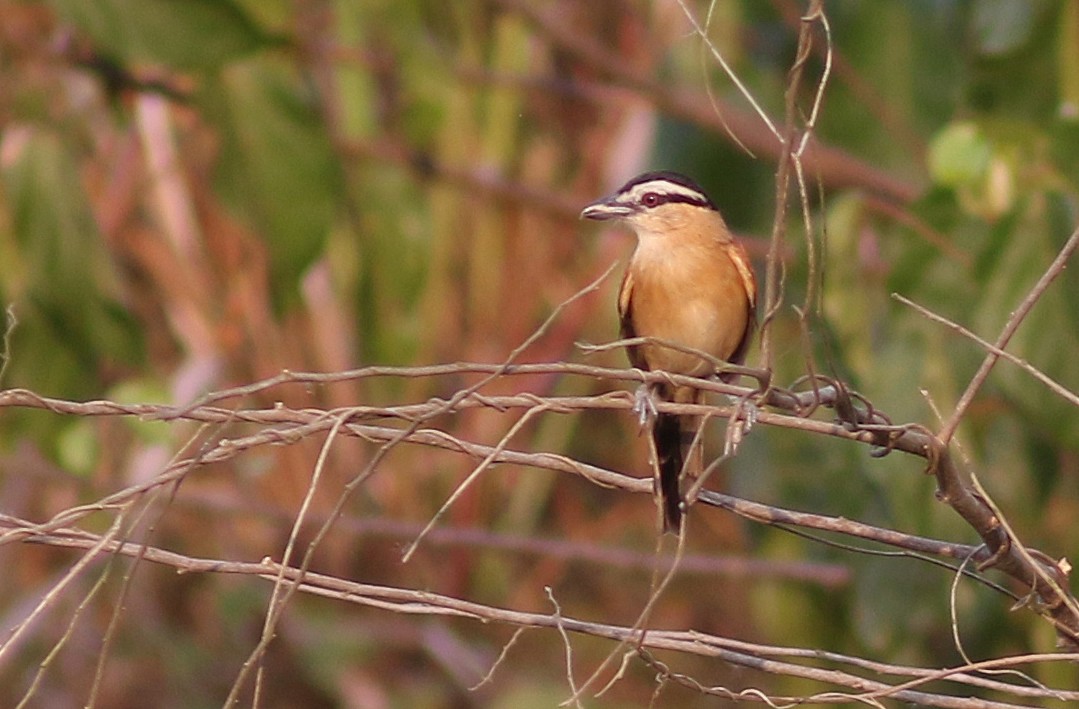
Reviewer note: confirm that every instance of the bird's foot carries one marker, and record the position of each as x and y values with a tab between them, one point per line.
750	413
742	421
644	405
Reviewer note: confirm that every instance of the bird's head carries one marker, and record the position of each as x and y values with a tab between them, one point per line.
654	202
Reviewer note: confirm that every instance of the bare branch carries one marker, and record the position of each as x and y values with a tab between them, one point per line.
857	420
1016	319
750	655
1054	386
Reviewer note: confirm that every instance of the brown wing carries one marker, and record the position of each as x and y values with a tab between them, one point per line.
739	354
625	317
741	262
666	431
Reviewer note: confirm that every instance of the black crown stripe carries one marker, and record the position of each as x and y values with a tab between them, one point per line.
700	199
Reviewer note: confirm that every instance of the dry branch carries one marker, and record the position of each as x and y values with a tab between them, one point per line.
765	658
855	420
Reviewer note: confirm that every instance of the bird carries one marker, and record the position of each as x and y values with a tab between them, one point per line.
689	283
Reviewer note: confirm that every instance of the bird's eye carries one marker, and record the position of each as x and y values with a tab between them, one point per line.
650	199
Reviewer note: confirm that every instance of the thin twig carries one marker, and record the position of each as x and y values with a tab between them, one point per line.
1014	321
1054	386
738	652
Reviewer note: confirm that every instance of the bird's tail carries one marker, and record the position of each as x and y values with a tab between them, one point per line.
673	437
667	435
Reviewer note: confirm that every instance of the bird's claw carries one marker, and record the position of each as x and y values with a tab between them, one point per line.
750	413
742	421
644	405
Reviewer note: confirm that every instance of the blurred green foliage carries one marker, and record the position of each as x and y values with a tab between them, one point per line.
181	34
200	193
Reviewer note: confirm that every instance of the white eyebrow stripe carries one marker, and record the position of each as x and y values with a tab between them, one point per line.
661	187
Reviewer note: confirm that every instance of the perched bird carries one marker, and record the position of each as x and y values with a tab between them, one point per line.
688	283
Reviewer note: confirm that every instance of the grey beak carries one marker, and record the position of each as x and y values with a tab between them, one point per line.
605	208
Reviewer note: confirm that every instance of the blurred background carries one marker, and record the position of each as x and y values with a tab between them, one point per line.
199	194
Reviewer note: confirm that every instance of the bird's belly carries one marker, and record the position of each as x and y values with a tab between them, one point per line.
712	322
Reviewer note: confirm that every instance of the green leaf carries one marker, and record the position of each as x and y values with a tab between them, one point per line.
277	165
64	284
959	156
190	34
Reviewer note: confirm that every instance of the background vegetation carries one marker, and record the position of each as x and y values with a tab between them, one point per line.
201	194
